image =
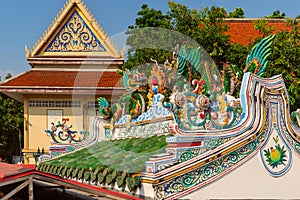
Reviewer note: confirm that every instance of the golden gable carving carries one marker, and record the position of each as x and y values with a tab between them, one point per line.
76	36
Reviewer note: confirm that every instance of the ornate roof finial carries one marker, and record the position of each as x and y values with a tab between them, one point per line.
28	54
123	51
76	1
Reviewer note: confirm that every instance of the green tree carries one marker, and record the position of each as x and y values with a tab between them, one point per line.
263	28
11	113
237	13
205	26
143	41
276	15
149	17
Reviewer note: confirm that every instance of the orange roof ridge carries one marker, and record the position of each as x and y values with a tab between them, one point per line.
242	30
255	19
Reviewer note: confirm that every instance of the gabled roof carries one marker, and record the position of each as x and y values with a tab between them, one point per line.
74	55
65	79
74	33
68	81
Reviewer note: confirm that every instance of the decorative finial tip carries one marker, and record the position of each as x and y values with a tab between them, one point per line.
28	54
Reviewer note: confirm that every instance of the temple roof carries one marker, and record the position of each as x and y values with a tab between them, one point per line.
242	30
65	79
37	81
74	55
74	33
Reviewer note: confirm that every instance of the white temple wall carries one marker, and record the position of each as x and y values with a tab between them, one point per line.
252	181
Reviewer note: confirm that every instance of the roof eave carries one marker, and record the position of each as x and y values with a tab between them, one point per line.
17	96
74	61
9	90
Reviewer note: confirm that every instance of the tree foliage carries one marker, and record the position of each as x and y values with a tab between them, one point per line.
205	26
10	117
276	15
142	42
237	13
210	33
263	28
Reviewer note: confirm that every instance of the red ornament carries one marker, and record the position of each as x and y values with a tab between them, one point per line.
202	115
155	81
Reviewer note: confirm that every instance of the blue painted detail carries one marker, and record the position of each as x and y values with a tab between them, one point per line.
74	35
107	133
287	164
66	136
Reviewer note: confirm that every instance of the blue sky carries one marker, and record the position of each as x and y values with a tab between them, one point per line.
23	22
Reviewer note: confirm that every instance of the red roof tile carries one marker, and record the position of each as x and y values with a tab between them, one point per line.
242	30
7	170
70	79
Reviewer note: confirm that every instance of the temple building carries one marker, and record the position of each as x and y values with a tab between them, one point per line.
189	146
72	64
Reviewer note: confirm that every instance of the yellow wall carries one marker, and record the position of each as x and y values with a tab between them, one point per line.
38	124
37	121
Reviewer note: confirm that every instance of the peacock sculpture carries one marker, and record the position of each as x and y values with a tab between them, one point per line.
256	63
194	60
